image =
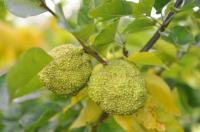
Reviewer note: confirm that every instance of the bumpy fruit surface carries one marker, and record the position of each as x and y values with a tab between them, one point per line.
69	72
118	88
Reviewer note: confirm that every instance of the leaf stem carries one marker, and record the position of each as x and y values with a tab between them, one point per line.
162	28
43	4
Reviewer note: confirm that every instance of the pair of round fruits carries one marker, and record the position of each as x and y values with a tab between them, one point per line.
118	87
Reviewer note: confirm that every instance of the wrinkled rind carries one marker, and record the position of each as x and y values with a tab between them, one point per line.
68	73
118	88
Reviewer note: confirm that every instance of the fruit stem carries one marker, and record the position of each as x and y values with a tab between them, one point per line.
91	52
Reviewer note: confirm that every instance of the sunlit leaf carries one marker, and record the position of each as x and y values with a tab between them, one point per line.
126	122
112	9
147	116
22	77
158	88
89	114
146	58
139	24
167	49
75	99
144	7
25	8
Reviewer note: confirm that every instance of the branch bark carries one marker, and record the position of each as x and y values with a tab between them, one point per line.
91	52
162	28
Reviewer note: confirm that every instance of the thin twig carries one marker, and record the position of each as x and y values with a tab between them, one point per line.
86	48
91	52
43	4
162	28
124	49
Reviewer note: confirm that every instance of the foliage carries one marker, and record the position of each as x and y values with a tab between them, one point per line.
106	29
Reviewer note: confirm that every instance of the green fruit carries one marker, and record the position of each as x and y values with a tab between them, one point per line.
69	72
118	87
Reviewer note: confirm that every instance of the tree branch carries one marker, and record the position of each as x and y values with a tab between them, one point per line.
86	48
91	52
162	28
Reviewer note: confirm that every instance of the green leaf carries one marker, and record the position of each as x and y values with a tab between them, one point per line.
22	77
159	4
3	11
144	7
25	8
192	96
85	32
38	116
167	51
112	9
139	24
89	114
109	125
106	36
83	17
179	35
146	58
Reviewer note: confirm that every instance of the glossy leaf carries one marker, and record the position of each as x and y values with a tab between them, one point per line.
112	9
22	77
146	58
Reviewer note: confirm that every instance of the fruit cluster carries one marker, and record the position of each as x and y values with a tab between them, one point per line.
118	87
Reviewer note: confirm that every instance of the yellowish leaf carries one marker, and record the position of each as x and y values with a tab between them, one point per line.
170	121
147	116
75	99
89	114
146	58
160	91
126	122
166	48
